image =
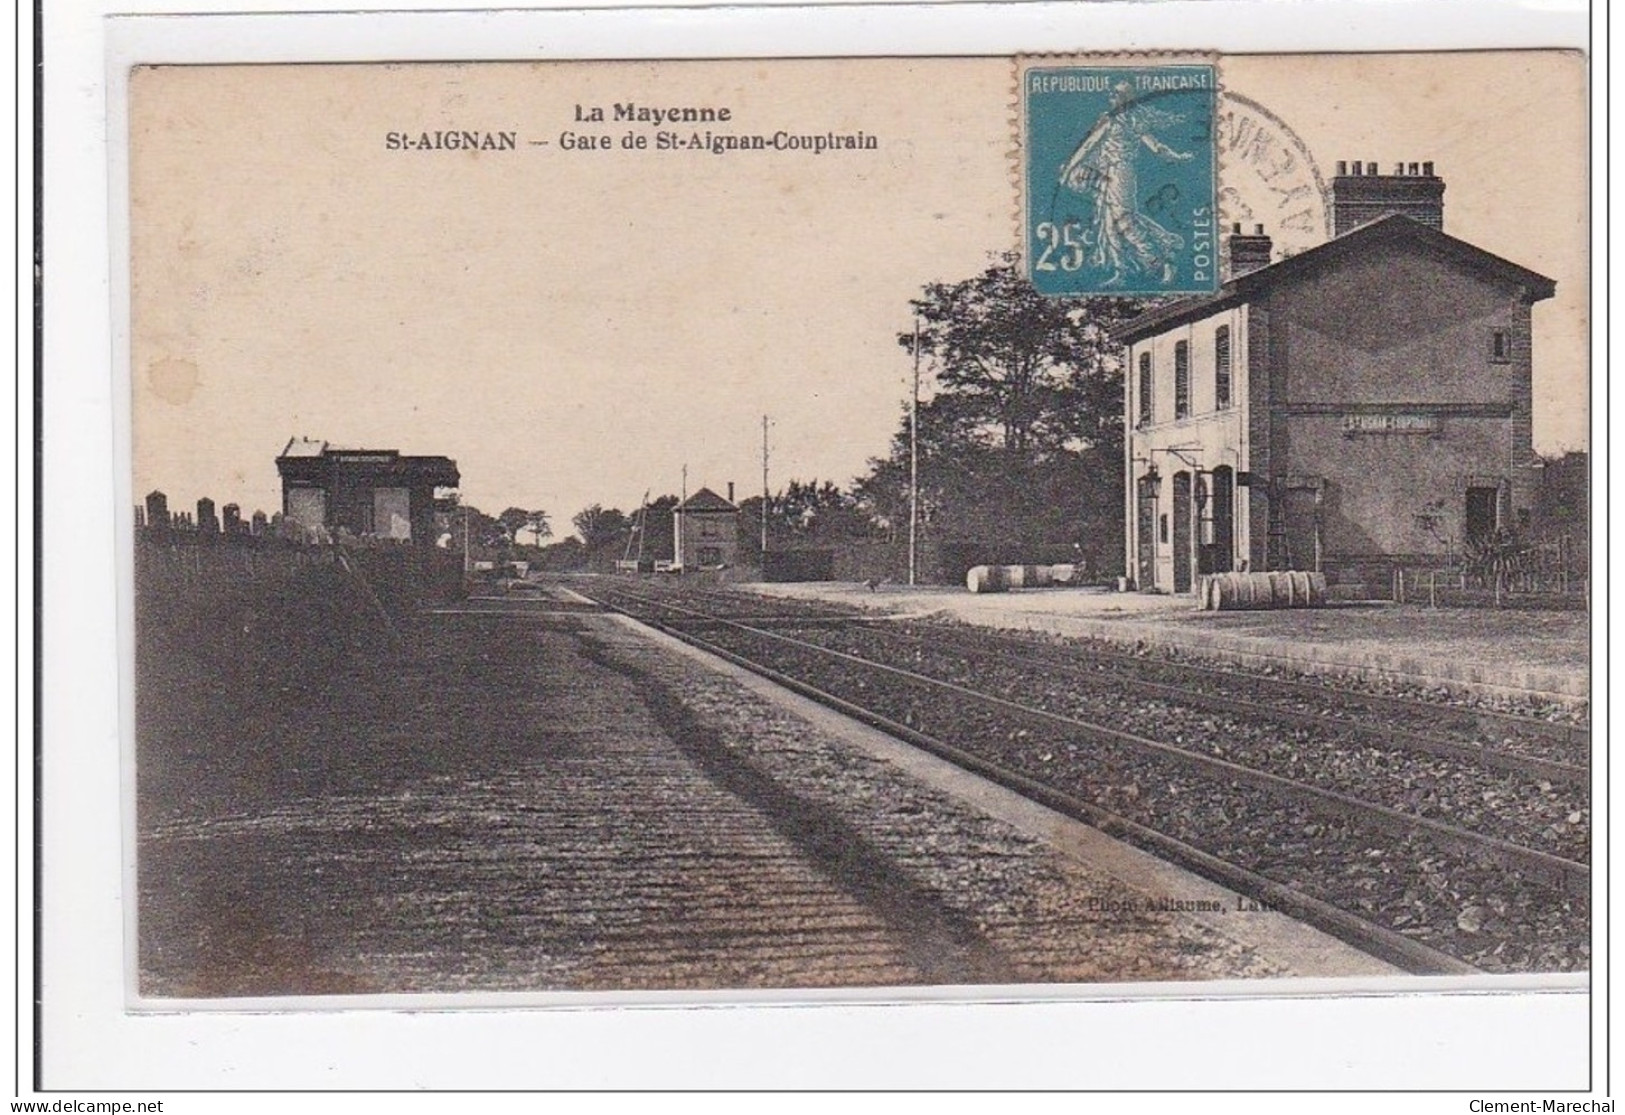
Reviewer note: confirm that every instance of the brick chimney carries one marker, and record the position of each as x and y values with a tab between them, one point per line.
1248	253
730	491
1360	195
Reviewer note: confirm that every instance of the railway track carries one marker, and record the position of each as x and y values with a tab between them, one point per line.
1564	744
1421	891
1561	740
1372	732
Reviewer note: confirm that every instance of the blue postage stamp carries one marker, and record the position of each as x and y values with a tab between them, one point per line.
1121	179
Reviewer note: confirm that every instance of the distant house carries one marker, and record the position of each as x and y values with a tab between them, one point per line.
369	492
706	529
1362	404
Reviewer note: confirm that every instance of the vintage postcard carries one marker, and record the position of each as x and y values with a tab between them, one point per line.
862	524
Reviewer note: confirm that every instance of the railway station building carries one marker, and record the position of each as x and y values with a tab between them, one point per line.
705	528
375	493
1363	404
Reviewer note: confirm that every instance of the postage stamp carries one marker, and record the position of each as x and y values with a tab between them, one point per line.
1120	179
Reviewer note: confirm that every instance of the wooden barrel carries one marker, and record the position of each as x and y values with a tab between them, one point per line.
1317	590
1224	592
987	578
1280	590
1300	589
1000	578
1246	591
1030	576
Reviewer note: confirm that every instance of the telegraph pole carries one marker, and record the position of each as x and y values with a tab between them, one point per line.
914	462
678	520
764	486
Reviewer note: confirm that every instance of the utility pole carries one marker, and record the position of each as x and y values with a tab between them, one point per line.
643	519
467	566
914	463
764	486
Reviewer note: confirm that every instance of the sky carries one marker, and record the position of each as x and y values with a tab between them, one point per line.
575	326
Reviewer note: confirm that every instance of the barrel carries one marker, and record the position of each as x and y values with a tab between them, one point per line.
1223	592
1316	592
987	578
1030	576
1280	590
999	578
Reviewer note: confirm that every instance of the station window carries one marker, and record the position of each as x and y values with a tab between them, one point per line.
1182	380
1145	389
1221	368
1500	346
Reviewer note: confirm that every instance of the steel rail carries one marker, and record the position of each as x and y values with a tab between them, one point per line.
1476	754
1376	940
1555	870
1573	734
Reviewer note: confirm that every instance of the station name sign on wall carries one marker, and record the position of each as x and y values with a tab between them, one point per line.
1354	424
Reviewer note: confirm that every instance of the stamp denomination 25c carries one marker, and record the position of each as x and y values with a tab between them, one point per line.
1120	179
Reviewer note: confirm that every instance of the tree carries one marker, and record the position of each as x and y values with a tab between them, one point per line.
455	518
1020	371
539	525
1020	435
804	513
515	519
600	526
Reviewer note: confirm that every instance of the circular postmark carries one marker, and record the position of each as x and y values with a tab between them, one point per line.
1268	177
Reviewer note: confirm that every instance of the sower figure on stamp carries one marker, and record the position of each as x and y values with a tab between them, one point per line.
1103	165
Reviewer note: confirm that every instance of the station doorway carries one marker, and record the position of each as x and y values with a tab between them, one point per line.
1182	532
1482	507
1145	533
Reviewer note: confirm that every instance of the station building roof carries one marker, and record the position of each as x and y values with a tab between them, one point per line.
1390	230
706	500
310	461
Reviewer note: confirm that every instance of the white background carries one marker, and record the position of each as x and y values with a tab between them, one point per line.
1478	1043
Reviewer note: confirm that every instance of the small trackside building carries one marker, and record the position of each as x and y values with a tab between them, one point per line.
376	493
1362	404
706	531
